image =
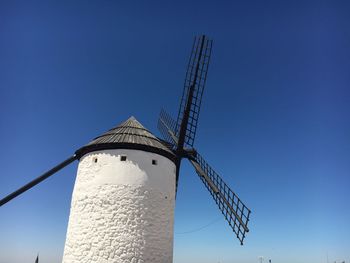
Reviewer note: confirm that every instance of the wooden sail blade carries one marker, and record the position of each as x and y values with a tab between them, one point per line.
234	210
186	125
166	125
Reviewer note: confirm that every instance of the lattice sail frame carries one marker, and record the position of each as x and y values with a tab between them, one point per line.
196	75
235	211
166	125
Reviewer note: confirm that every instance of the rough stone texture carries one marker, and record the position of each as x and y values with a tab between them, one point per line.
122	211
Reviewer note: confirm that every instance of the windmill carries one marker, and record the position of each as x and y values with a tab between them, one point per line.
123	200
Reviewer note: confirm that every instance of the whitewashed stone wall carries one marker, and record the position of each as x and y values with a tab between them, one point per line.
122	211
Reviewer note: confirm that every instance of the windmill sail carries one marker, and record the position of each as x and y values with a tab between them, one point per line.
193	90
166	125
181	135
235	211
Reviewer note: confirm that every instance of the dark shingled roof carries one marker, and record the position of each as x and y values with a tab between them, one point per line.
128	135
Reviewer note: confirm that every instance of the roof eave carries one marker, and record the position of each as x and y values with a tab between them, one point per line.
110	146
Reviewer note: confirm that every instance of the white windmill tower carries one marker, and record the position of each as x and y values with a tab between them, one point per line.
122	206
123	200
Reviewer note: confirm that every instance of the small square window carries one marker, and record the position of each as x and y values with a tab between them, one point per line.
123	158
95	159
154	162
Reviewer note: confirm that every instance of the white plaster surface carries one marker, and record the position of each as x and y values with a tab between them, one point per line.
122	211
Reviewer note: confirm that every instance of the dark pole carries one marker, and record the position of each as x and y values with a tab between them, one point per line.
37	180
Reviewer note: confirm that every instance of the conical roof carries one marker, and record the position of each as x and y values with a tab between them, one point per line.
127	135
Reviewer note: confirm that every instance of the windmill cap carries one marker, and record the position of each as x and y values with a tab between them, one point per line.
130	134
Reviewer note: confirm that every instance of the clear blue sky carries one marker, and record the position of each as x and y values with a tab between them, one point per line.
274	121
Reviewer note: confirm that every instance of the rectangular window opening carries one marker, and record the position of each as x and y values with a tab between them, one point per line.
123	158
154	162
